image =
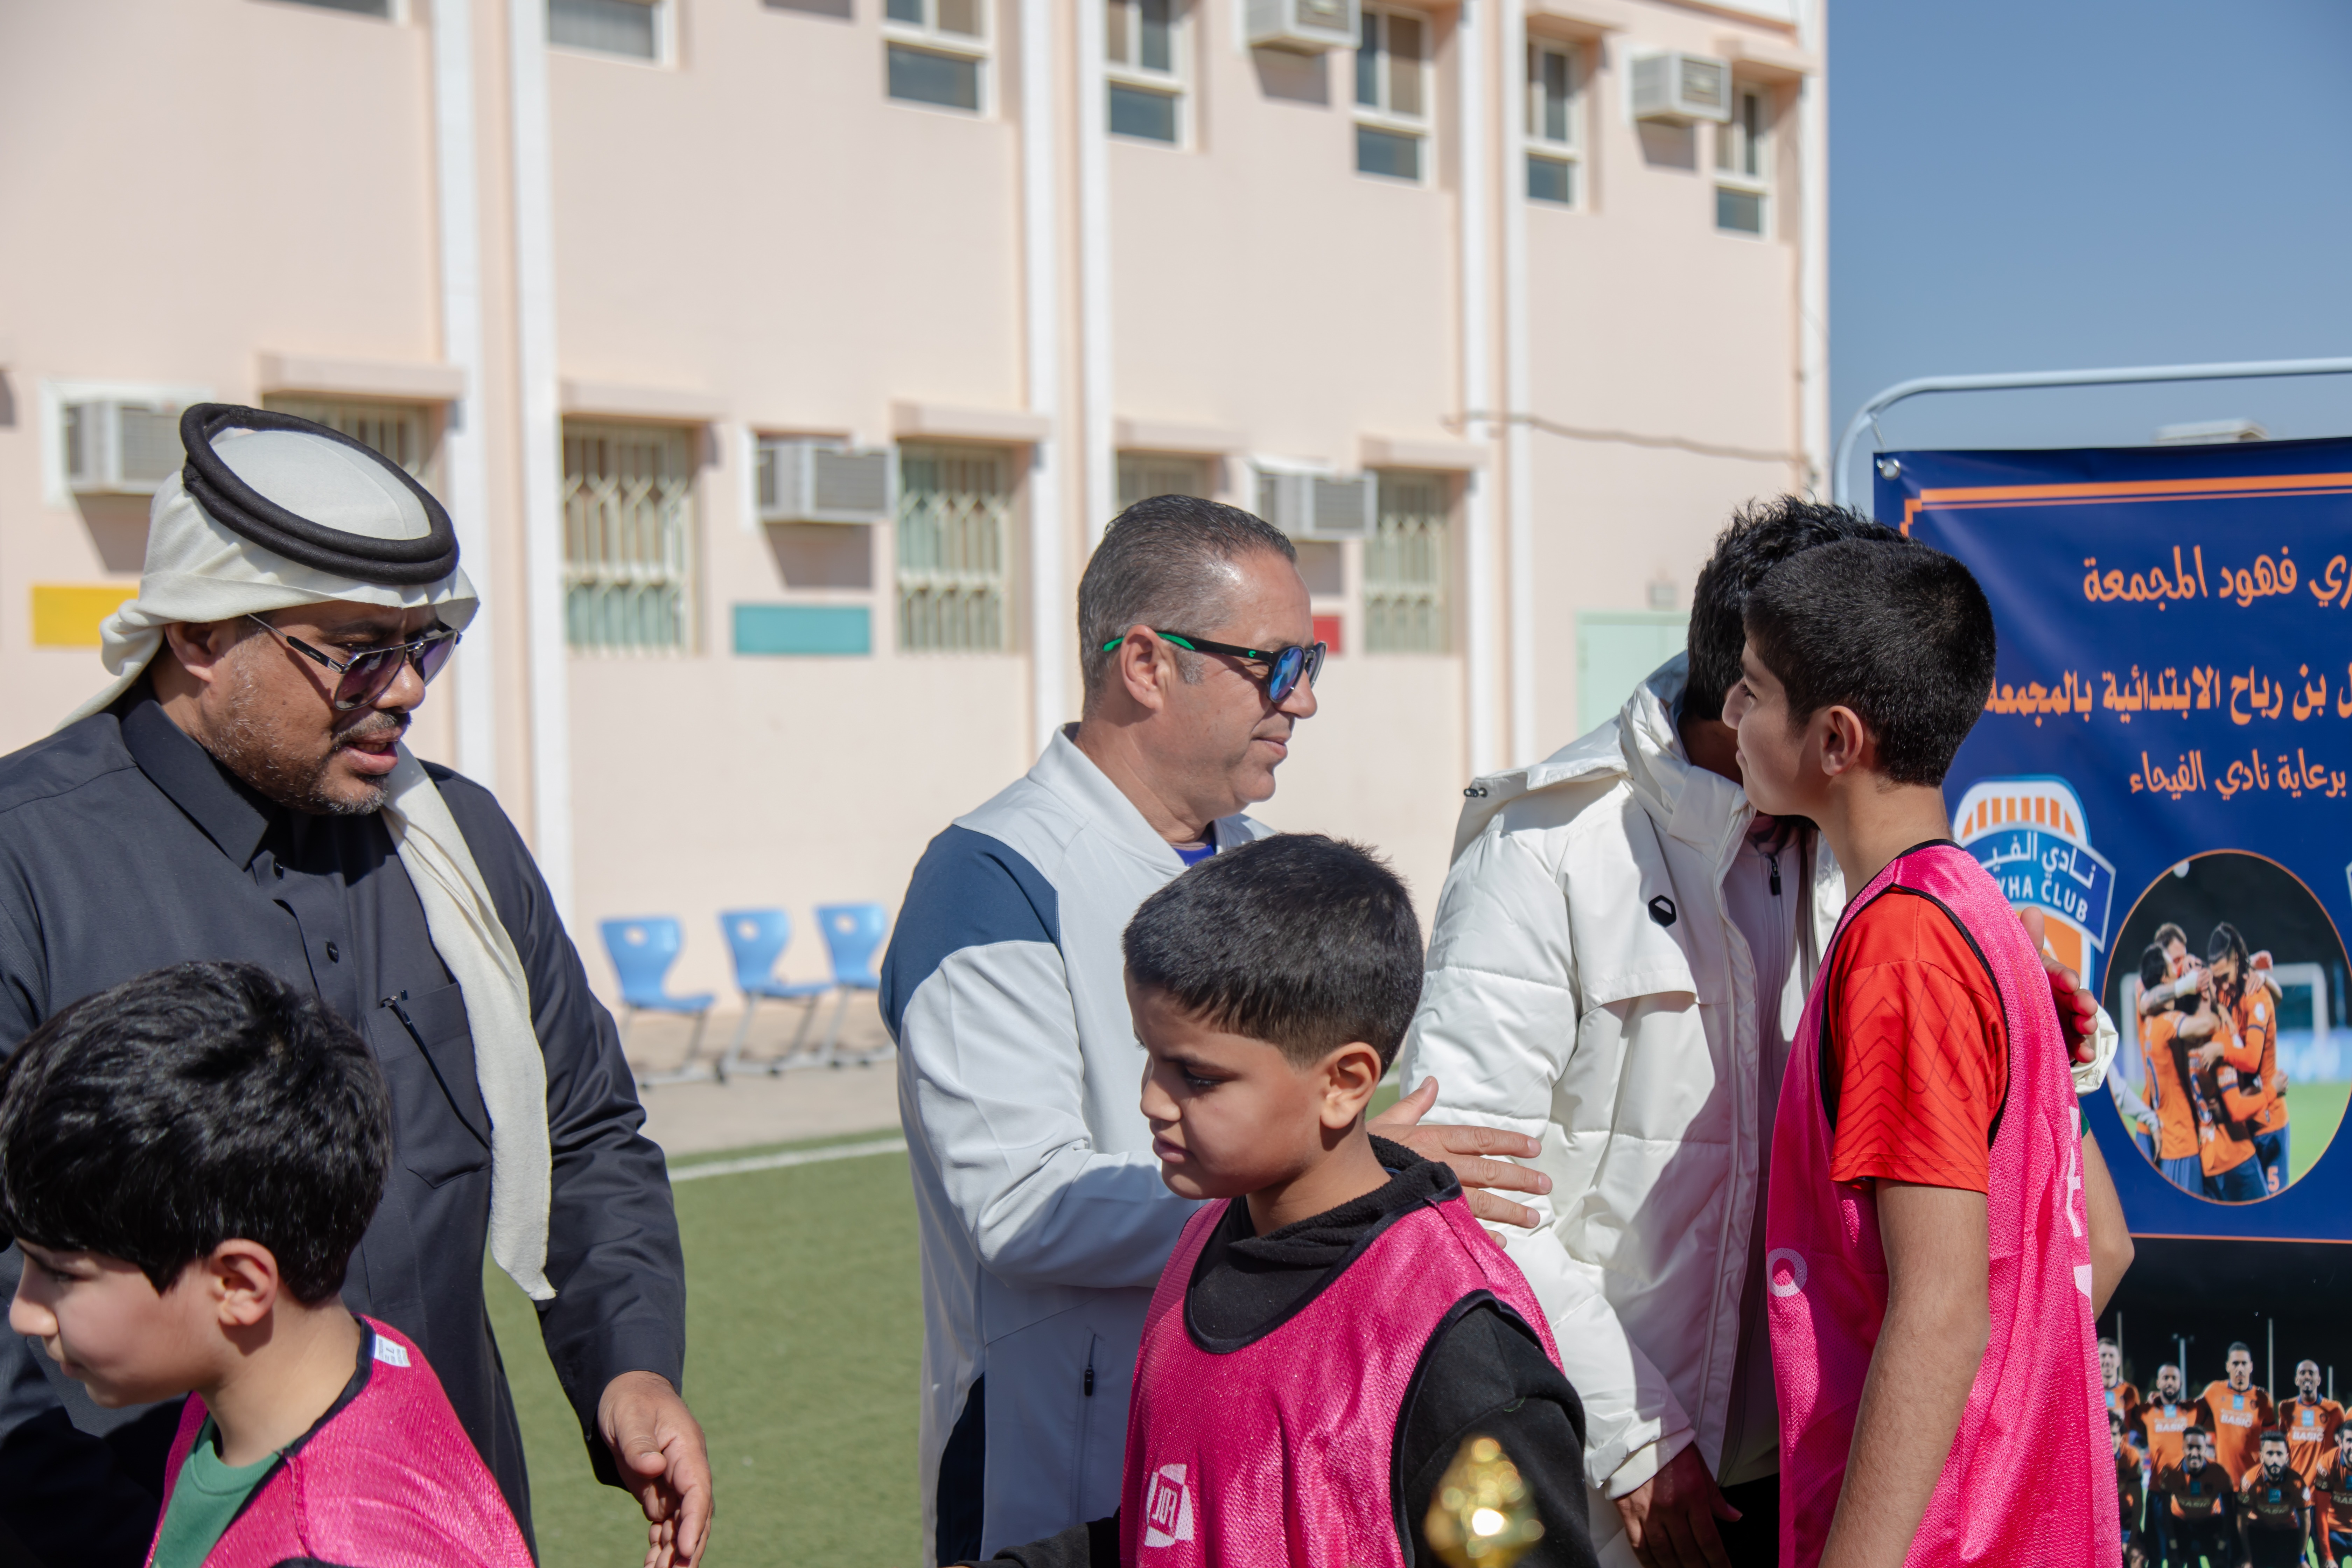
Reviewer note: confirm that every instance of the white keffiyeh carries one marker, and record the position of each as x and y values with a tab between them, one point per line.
197	570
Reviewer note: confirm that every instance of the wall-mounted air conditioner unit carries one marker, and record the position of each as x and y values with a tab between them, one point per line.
1317	506
1680	89
1304	26
117	446
822	481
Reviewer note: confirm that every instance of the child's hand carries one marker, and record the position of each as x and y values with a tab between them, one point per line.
2078	1010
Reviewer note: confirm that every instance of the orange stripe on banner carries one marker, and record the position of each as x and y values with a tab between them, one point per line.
2258	487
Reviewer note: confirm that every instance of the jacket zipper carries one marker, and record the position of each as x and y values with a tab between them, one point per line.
1086	1430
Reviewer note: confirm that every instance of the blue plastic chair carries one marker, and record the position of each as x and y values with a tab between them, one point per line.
642	952
757	937
853	935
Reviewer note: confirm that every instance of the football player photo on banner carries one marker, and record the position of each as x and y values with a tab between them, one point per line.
2163	769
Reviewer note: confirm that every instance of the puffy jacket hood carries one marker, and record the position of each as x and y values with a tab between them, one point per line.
1642	746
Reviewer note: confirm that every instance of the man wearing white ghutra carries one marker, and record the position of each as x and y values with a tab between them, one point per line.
240	791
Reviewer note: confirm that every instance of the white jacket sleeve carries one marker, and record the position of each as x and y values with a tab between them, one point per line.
1497	1022
996	1080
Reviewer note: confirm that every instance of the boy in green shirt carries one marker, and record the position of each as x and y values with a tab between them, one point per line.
187	1161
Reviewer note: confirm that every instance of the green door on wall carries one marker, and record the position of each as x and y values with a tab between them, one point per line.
1615	651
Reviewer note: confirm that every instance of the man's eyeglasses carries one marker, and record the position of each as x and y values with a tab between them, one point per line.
1286	666
366	676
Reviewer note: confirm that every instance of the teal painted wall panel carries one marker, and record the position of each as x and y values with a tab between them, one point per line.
804	629
1615	651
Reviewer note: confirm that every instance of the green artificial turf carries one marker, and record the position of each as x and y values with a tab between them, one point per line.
805	1333
2312	1111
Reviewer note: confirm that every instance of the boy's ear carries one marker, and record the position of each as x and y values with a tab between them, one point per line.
242	1277
1843	738
1350	1075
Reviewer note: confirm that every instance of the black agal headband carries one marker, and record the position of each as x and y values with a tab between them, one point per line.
246	512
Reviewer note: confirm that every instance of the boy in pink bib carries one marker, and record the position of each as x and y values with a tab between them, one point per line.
186	1162
1929	1254
1334	1329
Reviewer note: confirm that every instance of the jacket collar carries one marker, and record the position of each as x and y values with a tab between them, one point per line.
228	813
1071	776
1692	804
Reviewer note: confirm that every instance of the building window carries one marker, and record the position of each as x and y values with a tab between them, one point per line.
357	7
1143	59
1392	94
634	29
1554	107
1143	474
937	52
1406	564
955	518
629	536
402	432
1743	161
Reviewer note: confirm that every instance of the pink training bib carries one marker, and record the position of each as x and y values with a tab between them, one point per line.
2031	1481
390	1480
1277	1455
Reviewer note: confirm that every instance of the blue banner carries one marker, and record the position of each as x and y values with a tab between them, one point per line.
2162	769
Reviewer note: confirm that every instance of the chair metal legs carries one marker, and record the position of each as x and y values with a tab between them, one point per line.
689	1070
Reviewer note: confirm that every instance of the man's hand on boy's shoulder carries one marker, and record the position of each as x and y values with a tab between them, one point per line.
1472	1152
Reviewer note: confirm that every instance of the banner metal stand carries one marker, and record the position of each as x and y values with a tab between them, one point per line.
1841	487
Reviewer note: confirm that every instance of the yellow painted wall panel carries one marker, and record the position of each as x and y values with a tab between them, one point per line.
66	614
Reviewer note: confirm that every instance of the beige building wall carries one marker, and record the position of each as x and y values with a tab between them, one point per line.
748	237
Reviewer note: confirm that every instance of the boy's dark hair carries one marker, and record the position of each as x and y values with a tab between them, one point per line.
1760	536
1300	940
1899	633
1165	563
203	1101
2167	933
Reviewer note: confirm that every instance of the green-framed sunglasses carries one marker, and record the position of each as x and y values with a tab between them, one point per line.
1286	666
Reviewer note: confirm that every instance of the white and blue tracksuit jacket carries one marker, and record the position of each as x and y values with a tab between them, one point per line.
1044	1222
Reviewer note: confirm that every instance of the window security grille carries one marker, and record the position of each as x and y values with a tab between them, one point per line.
1142	474
955	510
400	431
1406	561
629	536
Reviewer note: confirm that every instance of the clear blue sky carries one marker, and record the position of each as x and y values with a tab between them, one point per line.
2043	185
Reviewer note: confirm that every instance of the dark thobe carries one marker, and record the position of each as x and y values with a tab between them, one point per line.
124	846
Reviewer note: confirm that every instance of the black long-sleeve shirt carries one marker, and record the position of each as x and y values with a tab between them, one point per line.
1483	1373
124	846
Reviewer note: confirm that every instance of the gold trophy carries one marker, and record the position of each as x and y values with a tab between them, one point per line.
1481	1516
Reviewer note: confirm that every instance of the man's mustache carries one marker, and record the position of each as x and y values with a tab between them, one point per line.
373	727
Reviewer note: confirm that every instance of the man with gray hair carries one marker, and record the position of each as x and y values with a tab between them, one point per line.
1044	1222
239	789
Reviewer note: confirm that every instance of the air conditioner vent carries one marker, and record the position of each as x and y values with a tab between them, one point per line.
1681	88
1304	26
1317	506
118	447
820	481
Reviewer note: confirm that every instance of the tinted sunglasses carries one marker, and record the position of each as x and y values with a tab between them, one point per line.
366	676
1286	666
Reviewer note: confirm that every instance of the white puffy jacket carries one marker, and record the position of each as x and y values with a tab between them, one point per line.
1586	985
